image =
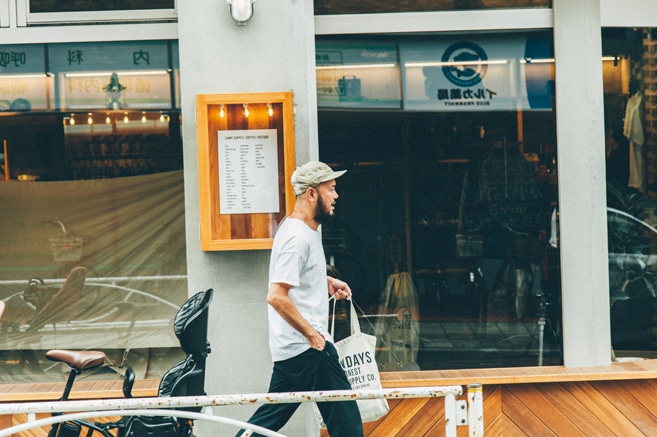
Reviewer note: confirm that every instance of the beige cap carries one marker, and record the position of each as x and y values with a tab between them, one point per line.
312	174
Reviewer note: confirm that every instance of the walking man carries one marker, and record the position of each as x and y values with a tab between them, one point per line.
302	349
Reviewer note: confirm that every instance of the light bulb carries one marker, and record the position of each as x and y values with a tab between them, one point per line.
270	110
222	111
108	120
72	122
143	117
126	119
246	110
90	119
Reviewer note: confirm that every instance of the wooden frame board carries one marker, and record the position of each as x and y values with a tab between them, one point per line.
227	225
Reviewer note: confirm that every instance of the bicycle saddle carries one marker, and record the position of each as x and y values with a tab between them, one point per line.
78	360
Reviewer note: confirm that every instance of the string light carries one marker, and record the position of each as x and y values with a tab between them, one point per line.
143	117
108	120
125	118
90	119
72	122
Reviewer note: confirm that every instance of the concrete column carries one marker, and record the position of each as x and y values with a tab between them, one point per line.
273	52
582	190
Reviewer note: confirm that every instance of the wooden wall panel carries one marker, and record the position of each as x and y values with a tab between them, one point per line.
552	417
523	416
605	408
628	405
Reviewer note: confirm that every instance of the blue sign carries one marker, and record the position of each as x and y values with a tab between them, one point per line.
482	73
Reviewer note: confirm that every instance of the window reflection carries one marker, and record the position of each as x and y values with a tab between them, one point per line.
444	221
333	7
92	5
93	240
631	205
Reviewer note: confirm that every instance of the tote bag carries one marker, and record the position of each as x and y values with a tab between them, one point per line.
357	358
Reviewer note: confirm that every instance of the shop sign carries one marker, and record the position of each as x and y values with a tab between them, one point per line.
23	81
358	74
477	73
112	75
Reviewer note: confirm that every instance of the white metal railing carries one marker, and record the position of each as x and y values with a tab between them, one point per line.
457	413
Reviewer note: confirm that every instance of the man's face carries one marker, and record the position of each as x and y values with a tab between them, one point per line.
326	197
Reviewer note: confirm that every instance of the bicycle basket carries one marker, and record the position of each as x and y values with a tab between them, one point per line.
66	249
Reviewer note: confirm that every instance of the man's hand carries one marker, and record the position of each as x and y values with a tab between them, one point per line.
338	288
317	341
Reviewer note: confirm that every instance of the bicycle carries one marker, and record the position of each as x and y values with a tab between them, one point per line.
517	275
186	378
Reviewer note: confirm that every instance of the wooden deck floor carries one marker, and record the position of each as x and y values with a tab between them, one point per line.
51	391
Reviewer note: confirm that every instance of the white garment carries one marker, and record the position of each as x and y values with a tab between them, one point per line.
297	259
633	131
637	169
633	127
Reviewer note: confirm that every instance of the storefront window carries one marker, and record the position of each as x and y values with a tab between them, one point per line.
335	7
631	190
91	183
444	222
37	6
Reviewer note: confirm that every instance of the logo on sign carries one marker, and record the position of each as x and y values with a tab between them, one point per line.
464	64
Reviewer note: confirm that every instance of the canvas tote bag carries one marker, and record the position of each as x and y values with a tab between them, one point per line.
357	357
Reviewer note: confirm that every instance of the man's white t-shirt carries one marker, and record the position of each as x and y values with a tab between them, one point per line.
297	259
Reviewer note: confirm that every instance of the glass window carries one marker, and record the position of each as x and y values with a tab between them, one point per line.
631	190
37	6
91	188
362	74
444	220
335	7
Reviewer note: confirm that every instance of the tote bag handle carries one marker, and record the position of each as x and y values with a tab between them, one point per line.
353	317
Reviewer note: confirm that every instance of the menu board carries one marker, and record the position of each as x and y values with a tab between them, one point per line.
246	160
248	171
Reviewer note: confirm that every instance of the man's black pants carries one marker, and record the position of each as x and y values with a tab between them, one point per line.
311	370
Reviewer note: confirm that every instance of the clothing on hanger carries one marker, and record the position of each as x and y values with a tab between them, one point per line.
633	131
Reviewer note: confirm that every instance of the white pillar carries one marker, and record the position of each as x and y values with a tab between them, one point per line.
273	52
582	190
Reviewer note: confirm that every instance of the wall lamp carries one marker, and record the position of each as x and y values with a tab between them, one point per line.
241	10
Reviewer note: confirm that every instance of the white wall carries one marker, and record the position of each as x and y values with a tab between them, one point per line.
273	52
